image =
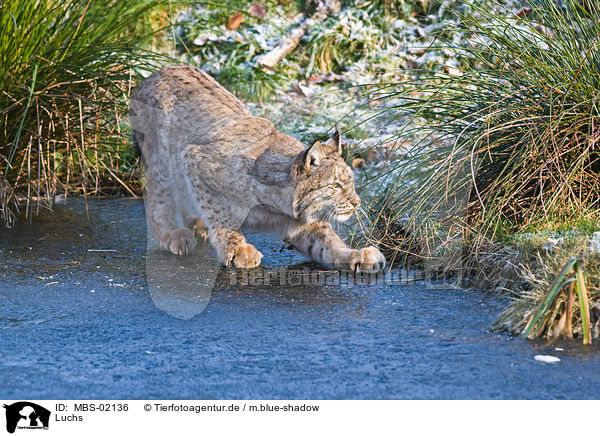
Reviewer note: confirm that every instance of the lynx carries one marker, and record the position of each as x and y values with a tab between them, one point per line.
215	168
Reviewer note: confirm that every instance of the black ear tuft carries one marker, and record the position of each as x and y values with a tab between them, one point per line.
334	144
336	136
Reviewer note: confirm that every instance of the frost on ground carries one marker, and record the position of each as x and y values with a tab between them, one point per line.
553	241
329	80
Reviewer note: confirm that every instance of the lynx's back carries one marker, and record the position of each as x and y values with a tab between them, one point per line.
183	83
182	100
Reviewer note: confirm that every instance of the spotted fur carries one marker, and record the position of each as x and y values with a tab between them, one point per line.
212	168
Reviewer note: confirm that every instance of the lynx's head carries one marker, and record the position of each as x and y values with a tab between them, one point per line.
325	184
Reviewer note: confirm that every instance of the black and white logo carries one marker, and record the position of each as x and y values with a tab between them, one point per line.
26	415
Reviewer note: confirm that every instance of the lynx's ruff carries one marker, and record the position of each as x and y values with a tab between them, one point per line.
218	168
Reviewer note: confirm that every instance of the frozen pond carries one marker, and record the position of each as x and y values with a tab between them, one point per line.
76	323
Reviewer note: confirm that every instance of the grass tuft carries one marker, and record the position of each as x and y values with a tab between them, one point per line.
503	144
506	143
67	69
546	306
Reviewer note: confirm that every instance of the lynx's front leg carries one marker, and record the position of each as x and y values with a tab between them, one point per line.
320	242
232	248
223	221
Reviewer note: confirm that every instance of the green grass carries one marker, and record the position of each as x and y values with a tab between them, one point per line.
506	145
67	69
505	156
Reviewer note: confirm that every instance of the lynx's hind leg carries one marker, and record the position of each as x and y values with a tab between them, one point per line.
195	224
161	212
179	241
198	228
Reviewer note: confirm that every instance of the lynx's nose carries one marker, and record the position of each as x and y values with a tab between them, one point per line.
355	202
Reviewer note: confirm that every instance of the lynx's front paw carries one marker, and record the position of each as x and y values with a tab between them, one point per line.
244	256
368	259
180	241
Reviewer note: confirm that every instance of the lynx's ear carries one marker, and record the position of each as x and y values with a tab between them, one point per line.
334	144
309	158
